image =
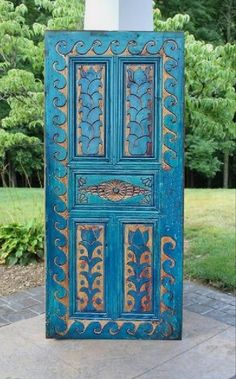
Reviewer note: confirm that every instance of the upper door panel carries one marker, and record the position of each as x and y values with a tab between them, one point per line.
139	109
90	111
115	109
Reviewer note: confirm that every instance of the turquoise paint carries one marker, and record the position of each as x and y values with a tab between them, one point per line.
119	127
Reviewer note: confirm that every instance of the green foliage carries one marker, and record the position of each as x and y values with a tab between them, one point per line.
212	20
200	155
64	15
21	244
22	29
210	98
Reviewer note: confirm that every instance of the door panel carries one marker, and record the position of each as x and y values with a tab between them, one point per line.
114	190
91	268
90	88
138	117
114	184
91	93
140	94
138	268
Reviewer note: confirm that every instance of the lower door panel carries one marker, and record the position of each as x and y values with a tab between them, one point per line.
114	268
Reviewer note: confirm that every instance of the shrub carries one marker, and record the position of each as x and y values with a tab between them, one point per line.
21	244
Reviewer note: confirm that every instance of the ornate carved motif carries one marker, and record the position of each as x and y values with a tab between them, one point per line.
139	110
168	246
90	268
138	268
114	190
169	103
91	81
60	325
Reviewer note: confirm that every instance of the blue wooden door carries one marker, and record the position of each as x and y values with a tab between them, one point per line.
114	184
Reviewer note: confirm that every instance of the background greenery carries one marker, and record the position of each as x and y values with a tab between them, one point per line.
210	84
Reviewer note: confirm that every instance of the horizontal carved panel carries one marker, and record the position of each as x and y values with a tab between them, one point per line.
114	190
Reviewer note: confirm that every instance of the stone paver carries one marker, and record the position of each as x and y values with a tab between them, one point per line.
206	352
21	305
209	302
197	298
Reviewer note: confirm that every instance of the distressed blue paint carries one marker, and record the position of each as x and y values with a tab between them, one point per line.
139	272
132	190
158	168
90	241
140	99
90	110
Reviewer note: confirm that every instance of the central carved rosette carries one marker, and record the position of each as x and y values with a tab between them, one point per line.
115	190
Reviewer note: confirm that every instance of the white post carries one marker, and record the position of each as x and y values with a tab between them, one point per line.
132	15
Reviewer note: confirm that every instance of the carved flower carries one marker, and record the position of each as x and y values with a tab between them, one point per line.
115	190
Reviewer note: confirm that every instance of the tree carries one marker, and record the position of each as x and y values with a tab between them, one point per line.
213	20
21	96
21	81
210	100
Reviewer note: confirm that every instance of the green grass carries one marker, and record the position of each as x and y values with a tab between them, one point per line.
21	205
209	229
210	232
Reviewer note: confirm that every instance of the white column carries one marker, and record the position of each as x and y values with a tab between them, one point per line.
132	15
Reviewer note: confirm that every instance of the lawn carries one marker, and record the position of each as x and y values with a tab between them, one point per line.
21	204
209	229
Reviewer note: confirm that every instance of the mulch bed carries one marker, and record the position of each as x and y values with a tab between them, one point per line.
17	278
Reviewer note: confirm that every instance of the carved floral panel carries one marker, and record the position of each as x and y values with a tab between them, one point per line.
91	111
139	110
90	268
138	268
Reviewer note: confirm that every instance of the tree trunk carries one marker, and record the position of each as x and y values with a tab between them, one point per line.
226	170
209	180
191	179
4	183
12	176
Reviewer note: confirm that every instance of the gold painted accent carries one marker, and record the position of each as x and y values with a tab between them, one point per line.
82	266
166	112
146	257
